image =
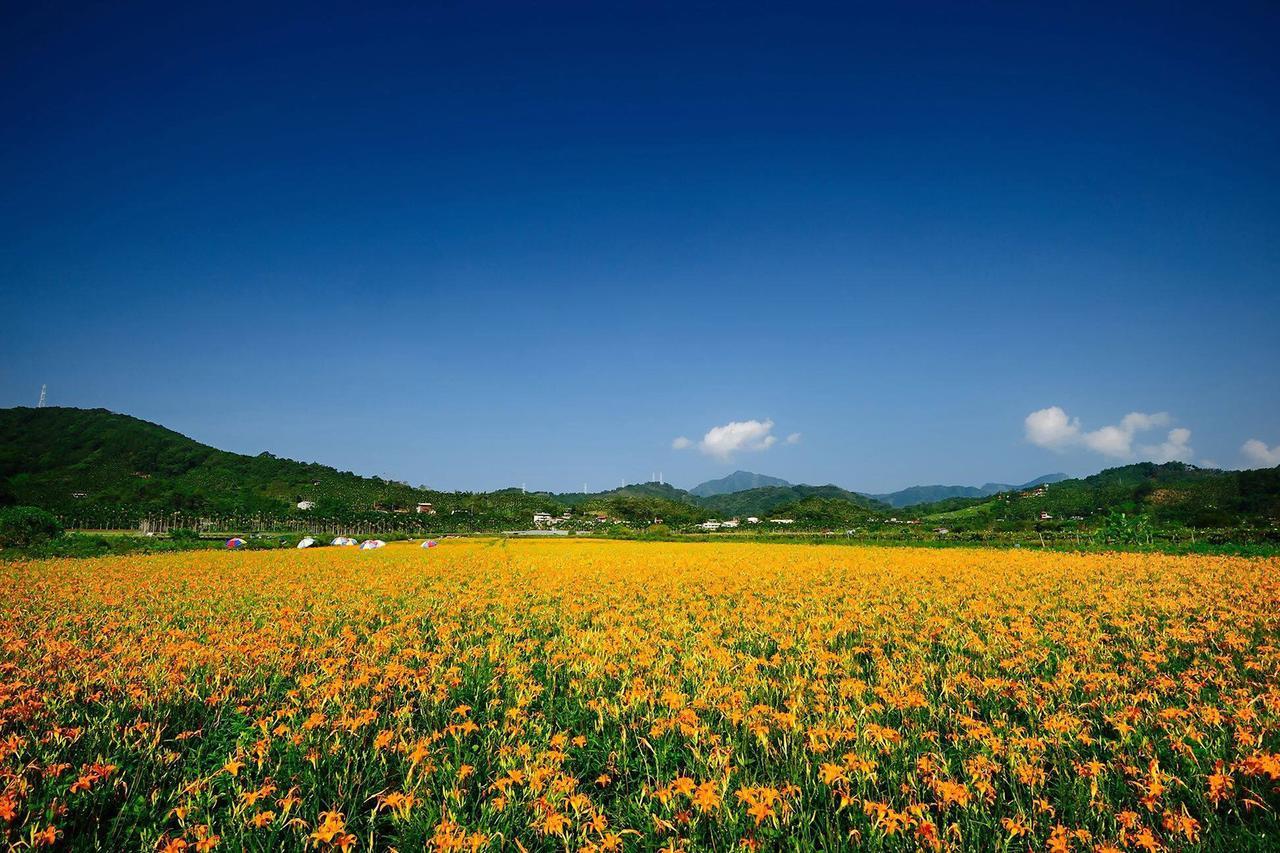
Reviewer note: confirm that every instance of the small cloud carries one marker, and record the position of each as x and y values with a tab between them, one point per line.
1052	428
1259	455
1173	448
736	437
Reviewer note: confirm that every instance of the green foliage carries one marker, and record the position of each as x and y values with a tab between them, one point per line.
96	468
1123	529
24	526
97	545
817	513
1170	495
769	500
85	461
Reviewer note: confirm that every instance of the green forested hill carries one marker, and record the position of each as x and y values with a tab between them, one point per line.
916	495
62	458
771	499
88	463
1172	493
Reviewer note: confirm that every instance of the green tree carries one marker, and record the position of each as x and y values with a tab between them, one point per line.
24	526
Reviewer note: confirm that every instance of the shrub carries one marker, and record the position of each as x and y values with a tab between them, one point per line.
24	526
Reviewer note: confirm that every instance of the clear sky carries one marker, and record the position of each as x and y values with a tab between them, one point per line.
487	244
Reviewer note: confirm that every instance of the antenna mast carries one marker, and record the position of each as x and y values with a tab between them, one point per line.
43	389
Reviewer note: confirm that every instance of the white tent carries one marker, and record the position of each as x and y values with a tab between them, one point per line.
370	544
343	540
306	542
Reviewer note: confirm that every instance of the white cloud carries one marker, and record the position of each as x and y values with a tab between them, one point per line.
1054	429
1109	441
1259	455
1173	448
1137	421
736	437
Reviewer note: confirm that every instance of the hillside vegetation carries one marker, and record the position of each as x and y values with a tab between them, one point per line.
98	468
1171	493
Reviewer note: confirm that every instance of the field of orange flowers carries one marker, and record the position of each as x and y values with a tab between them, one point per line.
588	695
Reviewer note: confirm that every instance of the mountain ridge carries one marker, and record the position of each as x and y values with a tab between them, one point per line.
100	466
916	495
738	481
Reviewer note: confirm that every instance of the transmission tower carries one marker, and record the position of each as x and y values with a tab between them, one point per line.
43	389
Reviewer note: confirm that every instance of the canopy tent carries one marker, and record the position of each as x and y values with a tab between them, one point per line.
344	540
370	544
306	542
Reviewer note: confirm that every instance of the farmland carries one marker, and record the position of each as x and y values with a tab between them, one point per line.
604	695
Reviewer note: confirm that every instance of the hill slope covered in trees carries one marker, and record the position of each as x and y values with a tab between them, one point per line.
82	462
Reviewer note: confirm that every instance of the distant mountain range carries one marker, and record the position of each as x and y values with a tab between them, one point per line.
741	481
913	495
96	465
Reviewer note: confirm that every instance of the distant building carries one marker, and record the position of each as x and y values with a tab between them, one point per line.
710	525
425	509
540	518
733	522
751	519
306	504
1044	516
782	521
79	494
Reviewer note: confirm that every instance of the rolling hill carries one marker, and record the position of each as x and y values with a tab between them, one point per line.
913	495
738	481
1172	493
773	499
95	463
62	457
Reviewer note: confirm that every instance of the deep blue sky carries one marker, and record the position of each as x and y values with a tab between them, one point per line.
490	244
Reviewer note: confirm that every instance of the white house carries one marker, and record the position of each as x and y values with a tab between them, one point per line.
782	521
543	518
751	519
306	504
733	522
710	525
425	509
